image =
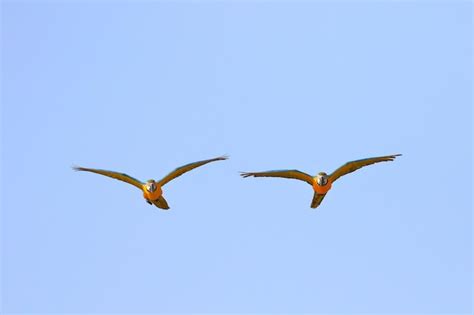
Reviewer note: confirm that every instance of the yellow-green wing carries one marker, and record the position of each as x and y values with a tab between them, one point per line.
293	174
119	176
186	168
352	166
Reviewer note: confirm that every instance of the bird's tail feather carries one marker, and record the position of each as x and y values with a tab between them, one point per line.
317	199
161	203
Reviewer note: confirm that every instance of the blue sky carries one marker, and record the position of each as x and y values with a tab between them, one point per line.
147	86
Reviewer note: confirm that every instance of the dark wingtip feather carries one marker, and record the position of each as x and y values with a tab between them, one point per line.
245	175
76	168
392	157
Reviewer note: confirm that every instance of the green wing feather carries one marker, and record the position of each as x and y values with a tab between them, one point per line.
186	168
292	174
352	166
120	176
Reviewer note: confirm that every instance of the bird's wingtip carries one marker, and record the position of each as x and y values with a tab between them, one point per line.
394	156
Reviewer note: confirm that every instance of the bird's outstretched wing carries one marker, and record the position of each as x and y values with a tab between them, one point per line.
350	167
293	174
119	176
186	168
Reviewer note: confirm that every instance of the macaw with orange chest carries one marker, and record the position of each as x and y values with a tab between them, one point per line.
152	190
322	182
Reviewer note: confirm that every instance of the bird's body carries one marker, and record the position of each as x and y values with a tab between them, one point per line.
319	187
153	194
152	190
322	182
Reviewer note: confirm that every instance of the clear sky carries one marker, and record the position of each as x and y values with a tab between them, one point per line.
144	87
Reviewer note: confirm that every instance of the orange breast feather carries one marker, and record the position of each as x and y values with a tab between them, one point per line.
321	189
152	195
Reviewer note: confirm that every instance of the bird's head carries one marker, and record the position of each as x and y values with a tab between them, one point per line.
150	185
322	178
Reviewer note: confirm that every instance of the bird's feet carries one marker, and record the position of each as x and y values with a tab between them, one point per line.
149	202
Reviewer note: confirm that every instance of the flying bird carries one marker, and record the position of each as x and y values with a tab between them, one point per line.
152	190
322	182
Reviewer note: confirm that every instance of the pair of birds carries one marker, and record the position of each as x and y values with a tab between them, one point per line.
321	183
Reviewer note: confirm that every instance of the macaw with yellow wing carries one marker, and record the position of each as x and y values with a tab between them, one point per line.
322	182
152	191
